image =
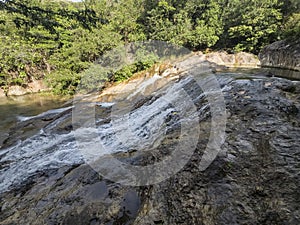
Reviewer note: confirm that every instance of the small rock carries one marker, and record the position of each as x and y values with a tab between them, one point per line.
16	90
268	84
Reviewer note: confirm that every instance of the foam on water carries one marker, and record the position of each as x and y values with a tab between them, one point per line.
105	104
132	129
49	112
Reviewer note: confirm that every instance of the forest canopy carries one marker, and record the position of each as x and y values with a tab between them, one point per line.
56	40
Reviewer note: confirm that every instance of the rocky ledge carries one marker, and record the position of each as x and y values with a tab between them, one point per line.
282	55
240	59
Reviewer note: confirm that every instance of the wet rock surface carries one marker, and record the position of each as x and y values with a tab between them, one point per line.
254	180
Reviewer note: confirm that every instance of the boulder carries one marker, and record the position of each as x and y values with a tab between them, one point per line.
16	90
255	179
281	54
221	58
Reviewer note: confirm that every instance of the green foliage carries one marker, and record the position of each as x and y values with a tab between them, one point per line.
196	24
125	73
128	70
63	82
292	27
60	41
207	23
94	79
124	20
114	67
253	24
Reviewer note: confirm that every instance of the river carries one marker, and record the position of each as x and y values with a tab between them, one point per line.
44	179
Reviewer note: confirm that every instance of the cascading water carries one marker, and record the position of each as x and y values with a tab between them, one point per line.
134	129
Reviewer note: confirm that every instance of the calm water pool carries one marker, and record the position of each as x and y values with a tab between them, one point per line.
12	108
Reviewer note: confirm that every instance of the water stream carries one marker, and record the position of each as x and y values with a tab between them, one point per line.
131	129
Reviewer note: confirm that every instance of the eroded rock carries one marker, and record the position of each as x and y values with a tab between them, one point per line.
282	56
241	59
37	86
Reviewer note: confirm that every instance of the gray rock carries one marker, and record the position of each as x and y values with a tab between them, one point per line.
282	55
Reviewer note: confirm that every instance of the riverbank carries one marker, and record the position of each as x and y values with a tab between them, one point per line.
36	86
221	60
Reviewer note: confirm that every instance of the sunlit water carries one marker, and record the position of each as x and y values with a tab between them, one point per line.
13	109
129	129
138	129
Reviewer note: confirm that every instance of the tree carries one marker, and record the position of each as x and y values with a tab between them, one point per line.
207	23
59	40
124	20
195	24
251	24
291	19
